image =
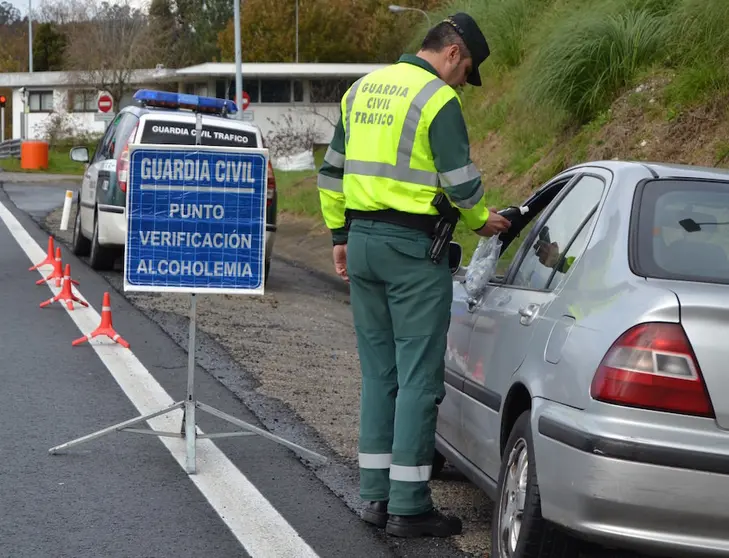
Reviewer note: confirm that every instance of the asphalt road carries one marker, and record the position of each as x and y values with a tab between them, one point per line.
128	495
125	494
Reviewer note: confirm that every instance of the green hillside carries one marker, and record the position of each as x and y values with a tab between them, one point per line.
576	80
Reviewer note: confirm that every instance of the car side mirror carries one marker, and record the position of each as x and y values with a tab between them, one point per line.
80	154
455	257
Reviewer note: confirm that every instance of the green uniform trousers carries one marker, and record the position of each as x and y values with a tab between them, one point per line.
401	305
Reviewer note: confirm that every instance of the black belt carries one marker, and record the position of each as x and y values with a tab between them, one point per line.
424	223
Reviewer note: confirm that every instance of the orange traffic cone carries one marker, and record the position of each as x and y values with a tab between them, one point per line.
49	256
66	295
106	328
57	272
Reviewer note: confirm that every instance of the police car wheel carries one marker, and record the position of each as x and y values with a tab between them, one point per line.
100	258
80	245
518	528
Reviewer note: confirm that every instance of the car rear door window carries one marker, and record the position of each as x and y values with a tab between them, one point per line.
682	228
561	238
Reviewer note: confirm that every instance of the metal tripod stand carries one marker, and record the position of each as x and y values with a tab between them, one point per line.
188	428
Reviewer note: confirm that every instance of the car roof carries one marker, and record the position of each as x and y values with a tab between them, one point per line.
207	118
658	169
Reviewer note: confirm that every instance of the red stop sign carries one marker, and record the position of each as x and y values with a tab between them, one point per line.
105	103
245	101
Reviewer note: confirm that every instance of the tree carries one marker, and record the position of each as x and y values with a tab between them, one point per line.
48	48
329	31
107	43
14	47
9	14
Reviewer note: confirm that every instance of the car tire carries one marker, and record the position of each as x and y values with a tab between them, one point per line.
438	463
80	245
532	536
267	272
100	258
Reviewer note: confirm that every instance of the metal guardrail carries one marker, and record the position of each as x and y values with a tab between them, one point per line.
10	149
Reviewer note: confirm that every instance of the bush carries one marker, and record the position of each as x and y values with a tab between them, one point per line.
587	59
699	48
505	24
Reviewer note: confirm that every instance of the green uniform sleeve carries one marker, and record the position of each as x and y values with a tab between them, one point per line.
459	177
329	184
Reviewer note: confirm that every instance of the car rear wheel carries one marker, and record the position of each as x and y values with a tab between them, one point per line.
101	258
267	272
518	528
80	245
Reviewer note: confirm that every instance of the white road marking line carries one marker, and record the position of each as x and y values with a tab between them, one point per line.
262	531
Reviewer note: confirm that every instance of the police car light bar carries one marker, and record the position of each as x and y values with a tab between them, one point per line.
166	99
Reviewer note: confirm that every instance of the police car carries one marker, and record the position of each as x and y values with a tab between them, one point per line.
159	118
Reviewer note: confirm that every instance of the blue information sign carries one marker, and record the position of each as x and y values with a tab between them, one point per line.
196	219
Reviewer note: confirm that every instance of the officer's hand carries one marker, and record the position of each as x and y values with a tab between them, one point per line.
340	261
494	225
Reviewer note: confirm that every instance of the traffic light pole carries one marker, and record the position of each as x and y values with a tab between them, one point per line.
2	123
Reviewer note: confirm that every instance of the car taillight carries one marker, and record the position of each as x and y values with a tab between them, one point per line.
271	186
653	366
122	164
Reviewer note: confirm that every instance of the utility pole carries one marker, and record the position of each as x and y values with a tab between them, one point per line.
30	38
238	57
297	31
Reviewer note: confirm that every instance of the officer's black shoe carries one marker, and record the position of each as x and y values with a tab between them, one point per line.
376	513
429	524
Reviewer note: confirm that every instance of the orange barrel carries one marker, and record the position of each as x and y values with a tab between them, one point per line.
34	155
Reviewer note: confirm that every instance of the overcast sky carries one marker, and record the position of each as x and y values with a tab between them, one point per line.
22	5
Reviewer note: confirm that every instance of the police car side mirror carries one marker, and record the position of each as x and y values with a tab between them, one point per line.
455	257
80	154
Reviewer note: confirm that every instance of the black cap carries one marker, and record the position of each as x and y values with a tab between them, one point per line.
476	43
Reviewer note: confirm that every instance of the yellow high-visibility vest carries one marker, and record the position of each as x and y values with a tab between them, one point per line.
386	116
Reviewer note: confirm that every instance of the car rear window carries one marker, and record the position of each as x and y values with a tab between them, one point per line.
183	133
683	230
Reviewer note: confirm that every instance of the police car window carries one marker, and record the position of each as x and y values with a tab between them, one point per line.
168	132
107	146
125	128
554	241
102	151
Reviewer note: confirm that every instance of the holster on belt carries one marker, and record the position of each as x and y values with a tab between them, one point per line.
444	227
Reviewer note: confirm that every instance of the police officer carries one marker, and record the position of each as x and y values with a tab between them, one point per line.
401	140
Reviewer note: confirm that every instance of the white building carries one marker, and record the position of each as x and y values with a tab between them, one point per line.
282	95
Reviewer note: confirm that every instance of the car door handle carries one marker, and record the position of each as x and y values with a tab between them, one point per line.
528	313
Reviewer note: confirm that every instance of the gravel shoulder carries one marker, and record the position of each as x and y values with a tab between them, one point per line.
291	356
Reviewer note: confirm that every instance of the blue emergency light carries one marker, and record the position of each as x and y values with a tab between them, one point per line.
197	103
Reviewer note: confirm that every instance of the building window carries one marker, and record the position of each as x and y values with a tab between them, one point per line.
329	90
250	86
82	101
41	101
275	91
298	91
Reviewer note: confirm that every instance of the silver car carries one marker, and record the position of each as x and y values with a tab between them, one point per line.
587	389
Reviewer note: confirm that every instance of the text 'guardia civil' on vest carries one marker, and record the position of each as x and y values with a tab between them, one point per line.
385	89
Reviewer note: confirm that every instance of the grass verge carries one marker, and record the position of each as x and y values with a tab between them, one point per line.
58	163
